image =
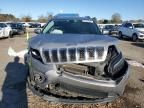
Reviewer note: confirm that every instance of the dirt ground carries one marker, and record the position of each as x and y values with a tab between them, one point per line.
16	95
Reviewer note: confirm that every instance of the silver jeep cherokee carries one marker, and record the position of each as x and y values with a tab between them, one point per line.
70	61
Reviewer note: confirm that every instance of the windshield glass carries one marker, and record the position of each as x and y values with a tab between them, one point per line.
71	27
109	27
138	25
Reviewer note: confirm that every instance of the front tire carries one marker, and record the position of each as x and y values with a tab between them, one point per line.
134	37
120	35
10	34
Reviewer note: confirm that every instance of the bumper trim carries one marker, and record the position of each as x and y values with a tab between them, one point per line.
51	98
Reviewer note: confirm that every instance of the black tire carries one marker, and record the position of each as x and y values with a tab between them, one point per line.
10	34
120	35
134	37
110	33
21	33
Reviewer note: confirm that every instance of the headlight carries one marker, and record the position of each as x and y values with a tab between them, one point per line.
35	54
39	78
112	52
141	32
115	61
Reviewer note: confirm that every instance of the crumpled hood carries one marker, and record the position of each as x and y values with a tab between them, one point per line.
50	41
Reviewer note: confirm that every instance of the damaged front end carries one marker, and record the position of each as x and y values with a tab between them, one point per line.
88	74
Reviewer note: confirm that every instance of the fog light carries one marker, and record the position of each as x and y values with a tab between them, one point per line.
39	78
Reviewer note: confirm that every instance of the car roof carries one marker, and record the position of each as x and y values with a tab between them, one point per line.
70	17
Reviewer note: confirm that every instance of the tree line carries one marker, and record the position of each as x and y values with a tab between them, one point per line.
115	18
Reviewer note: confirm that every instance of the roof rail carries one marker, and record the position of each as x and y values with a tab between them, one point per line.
66	15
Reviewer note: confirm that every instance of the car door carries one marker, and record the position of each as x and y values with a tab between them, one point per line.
6	30
129	31
1	30
125	29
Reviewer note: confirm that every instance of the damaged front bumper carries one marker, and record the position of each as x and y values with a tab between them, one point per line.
64	87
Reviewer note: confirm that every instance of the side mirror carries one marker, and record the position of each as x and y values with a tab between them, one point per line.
0	28
37	31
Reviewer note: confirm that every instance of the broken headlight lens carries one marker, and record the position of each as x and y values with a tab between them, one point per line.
115	61
39	78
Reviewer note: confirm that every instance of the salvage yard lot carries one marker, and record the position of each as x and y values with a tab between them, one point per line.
132	98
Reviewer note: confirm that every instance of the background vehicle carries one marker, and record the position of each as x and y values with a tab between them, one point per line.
25	24
42	24
34	25
17	28
110	29
5	30
134	31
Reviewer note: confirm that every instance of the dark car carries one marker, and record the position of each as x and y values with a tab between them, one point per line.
110	29
17	28
34	25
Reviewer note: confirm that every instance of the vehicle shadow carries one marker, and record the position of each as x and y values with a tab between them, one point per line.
14	87
2	38
122	39
139	44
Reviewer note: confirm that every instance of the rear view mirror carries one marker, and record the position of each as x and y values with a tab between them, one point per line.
37	31
131	27
56	31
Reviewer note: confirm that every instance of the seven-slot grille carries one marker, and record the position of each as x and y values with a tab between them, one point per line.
73	54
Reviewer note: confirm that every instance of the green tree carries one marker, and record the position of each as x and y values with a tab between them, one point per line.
7	17
116	18
42	19
45	18
94	19
105	21
100	21
26	18
49	16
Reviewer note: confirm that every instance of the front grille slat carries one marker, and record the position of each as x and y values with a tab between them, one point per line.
72	54
47	56
91	53
79	54
54	54
99	51
63	55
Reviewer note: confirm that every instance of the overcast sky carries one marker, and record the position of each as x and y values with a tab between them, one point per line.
129	9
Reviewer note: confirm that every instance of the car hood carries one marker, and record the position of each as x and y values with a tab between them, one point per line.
50	41
140	29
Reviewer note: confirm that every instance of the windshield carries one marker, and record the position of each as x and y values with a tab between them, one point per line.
109	27
138	25
71	27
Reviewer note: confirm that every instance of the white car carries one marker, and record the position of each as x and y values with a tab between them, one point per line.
5	30
25	24
134	31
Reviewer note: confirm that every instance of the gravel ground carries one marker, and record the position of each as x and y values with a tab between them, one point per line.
13	92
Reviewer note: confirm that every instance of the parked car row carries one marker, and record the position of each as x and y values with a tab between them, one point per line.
9	29
17	28
33	24
134	31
